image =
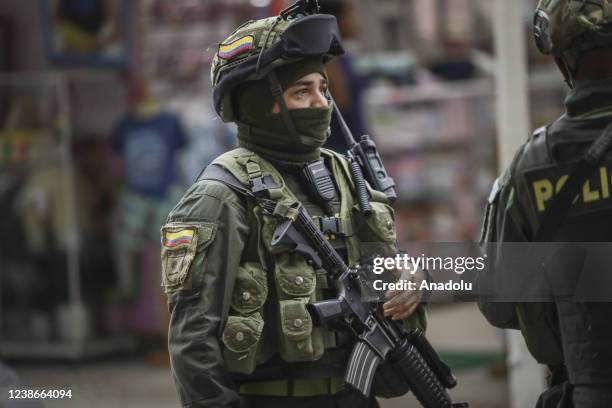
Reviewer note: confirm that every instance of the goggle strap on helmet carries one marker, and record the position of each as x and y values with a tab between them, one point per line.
277	92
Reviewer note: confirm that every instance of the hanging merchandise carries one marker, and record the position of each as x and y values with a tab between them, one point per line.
87	32
149	140
148	143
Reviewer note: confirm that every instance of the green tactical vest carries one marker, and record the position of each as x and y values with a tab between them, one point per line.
256	329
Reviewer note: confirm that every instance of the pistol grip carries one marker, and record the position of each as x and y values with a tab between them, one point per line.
326	312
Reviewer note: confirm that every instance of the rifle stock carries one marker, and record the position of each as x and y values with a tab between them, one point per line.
326	312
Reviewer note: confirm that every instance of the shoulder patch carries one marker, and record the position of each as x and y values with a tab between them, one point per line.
181	243
228	51
172	239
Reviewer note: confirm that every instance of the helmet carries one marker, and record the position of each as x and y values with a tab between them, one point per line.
566	29
258	47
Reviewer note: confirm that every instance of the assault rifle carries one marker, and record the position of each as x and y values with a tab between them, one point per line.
379	338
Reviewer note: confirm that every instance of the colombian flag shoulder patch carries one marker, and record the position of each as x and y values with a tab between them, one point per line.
183	247
174	238
227	51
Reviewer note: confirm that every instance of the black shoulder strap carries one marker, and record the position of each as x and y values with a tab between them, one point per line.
218	173
561	204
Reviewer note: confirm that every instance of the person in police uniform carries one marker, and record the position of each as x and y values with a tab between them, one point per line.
573	339
240	333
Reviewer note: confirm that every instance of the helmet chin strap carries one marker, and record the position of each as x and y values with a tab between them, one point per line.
277	92
568	73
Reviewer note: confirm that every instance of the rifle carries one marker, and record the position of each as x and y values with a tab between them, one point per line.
379	339
365	154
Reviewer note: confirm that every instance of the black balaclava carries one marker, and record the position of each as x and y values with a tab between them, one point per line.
267	133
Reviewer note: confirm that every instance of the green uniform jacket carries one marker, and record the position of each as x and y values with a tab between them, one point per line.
575	334
197	311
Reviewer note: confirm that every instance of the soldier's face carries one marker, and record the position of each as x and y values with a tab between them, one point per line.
306	92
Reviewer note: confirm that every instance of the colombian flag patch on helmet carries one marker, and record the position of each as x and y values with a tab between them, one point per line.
227	51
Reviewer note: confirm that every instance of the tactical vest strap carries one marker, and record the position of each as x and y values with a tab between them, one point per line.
253	170
264	186
285	211
252	173
261	185
335	226
217	173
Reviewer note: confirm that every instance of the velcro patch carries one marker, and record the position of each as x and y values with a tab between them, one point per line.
228	51
180	244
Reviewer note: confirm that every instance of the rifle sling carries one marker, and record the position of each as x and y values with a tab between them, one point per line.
217	173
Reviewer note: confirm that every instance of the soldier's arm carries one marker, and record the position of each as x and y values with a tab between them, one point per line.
199	279
504	221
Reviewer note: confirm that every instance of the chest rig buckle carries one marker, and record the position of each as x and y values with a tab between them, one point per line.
334	227
262	186
330	225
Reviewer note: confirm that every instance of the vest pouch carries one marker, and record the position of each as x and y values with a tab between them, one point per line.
241	338
380	226
250	289
376	232
299	342
294	276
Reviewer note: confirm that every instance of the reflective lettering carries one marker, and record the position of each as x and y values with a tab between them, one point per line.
605	184
588	194
543	190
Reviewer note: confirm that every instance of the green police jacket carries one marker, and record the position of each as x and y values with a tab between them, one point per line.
235	302
577	335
